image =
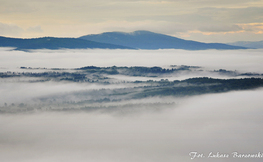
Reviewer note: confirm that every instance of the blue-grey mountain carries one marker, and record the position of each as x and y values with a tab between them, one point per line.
248	44
54	43
150	40
113	40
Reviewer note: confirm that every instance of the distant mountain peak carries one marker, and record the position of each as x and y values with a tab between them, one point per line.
142	39
134	33
140	32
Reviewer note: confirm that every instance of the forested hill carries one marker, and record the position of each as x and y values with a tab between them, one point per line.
55	43
113	87
113	40
150	40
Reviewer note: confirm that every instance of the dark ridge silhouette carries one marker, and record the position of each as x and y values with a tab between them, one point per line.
149	40
55	43
113	40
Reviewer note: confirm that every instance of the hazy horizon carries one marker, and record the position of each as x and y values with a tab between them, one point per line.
200	20
130	32
123	105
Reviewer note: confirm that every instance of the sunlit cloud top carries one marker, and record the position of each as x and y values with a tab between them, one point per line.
201	20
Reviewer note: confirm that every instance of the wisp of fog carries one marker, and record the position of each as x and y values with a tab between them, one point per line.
222	123
243	60
213	123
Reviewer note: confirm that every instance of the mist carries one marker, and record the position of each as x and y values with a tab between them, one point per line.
222	123
69	120
242	60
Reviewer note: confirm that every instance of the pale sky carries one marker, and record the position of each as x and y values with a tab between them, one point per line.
199	20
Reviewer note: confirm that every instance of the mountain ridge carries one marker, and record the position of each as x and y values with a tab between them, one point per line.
142	39
54	43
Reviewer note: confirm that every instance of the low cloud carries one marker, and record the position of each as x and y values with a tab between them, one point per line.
222	123
10	29
35	29
241	60
220	28
16	31
151	130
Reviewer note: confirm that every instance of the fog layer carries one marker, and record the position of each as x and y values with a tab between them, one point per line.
242	60
144	128
224	123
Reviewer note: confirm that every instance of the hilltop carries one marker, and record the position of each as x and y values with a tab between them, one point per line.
149	40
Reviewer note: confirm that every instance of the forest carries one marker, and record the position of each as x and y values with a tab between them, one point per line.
118	90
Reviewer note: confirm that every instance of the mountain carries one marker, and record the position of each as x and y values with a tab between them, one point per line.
150	40
113	40
55	43
248	44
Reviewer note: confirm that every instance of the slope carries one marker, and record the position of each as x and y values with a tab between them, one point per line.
150	40
248	44
54	43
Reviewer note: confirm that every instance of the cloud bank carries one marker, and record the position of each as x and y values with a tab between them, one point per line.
216	123
178	18
222	123
241	60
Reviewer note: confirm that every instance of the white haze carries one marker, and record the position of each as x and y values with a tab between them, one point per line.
222	123
177	76
225	122
242	60
17	92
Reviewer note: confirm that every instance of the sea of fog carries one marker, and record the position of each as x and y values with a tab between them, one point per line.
242	60
225	124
